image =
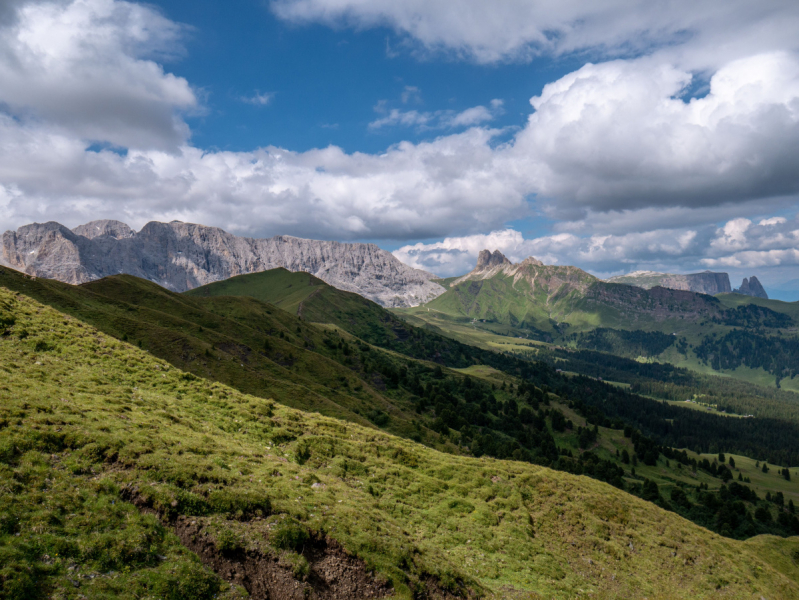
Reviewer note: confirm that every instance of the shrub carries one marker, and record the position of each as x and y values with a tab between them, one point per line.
239	504
229	541
188	580
288	534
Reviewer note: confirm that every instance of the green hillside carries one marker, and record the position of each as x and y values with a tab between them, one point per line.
313	300
242	342
746	338
343	377
118	464
373	323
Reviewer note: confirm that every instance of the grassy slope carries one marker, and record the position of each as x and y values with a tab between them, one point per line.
482	313
279	286
224	339
313	300
368	320
565	296
84	401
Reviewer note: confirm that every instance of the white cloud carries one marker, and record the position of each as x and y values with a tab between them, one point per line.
411	190
441	119
712	32
773	221
738	244
411	93
732	236
473	116
772	242
258	99
407	118
599	253
85	68
616	136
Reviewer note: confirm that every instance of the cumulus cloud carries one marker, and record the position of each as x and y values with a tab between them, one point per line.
634	171
441	119
323	193
598	253
522	29
743	244
617	136
84	68
738	244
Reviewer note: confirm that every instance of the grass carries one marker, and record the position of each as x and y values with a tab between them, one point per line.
240	341
311	299
762	383
85	416
550	304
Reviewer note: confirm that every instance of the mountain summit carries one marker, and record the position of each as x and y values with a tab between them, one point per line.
487	260
752	287
182	256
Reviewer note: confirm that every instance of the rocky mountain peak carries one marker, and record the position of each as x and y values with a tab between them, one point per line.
487	259
181	256
751	287
114	229
531	260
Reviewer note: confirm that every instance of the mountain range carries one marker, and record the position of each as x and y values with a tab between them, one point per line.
706	282
181	256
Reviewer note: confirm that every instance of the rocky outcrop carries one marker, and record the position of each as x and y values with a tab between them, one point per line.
752	287
182	256
550	279
706	282
487	260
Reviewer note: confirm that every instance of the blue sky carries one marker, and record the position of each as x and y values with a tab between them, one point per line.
322	85
616	136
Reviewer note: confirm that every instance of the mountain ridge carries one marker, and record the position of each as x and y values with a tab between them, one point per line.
181	256
706	282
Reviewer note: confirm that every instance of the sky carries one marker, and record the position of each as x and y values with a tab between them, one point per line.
616	136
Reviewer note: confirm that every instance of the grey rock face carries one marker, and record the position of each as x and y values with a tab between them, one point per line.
113	229
706	282
182	256
752	287
486	260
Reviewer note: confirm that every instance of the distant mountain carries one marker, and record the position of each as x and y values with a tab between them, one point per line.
706	282
549	299
182	256
751	287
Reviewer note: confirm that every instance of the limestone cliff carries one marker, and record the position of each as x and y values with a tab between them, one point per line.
706	282
181	256
751	287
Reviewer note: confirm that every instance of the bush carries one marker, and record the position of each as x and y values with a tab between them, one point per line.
229	541
239	504
288	534
188	580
